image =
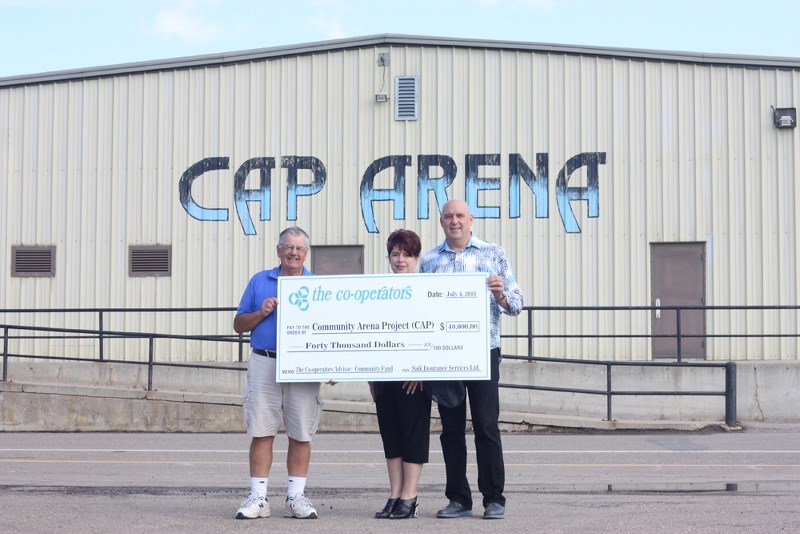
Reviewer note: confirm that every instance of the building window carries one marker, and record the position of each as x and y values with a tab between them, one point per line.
406	103
150	260
337	259
33	261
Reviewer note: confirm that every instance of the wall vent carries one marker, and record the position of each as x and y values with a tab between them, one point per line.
406	102
150	260
33	261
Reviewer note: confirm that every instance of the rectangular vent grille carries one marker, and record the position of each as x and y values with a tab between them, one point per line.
33	261
406	103
150	261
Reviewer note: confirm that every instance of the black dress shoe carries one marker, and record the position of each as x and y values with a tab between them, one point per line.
388	509
454	510
405	508
494	510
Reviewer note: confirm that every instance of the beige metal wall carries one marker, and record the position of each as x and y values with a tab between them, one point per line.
92	166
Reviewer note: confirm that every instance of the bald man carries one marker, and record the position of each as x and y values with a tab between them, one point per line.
462	251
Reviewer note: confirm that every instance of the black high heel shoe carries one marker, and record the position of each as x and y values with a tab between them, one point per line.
404	509
388	509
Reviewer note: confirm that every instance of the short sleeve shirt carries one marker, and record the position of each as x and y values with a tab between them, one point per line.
262	285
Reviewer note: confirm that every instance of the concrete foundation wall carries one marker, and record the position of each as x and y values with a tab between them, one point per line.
82	396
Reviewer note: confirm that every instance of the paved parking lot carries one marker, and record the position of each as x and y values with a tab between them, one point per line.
746	481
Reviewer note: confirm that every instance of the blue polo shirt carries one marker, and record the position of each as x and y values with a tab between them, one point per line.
262	285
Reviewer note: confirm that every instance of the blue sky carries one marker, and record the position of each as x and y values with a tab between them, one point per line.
47	35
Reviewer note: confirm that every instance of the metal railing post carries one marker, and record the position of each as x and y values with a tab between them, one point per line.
608	392
5	354
530	333
100	336
150	359
730	394
678	333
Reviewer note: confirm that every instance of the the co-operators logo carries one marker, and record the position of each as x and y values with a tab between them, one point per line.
300	298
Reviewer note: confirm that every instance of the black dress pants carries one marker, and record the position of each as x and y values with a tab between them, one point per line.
484	404
404	422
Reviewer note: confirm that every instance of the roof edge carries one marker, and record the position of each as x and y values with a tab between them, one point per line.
244	56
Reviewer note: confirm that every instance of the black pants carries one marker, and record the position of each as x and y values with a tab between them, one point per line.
484	404
404	421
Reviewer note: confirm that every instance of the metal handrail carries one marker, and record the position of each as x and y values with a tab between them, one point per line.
729	392
78	333
102	335
679	335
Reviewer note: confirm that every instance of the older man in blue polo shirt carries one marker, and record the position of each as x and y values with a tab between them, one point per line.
265	396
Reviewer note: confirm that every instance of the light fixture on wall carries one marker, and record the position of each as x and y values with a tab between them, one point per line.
784	117
383	62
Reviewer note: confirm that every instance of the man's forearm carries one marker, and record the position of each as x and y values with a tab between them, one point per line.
246	322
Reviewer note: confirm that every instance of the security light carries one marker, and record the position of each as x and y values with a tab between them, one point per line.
784	117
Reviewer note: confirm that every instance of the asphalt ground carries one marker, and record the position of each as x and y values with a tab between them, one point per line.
670	482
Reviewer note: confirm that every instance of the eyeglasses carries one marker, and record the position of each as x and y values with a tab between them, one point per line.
293	248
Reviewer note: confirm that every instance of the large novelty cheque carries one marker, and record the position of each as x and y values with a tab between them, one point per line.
391	327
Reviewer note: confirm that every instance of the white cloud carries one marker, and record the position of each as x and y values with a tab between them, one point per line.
338	5
187	21
330	27
539	5
327	18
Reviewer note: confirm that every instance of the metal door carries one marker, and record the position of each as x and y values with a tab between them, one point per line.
677	272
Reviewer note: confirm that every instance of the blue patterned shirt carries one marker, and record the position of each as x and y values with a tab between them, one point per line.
484	257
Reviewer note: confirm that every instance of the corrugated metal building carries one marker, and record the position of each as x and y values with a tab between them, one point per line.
612	177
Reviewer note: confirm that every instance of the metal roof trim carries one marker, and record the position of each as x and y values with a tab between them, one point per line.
245	56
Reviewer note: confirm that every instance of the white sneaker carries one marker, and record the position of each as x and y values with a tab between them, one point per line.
299	507
254	506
